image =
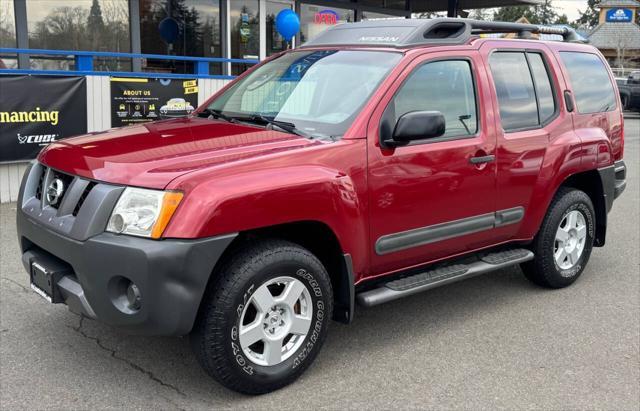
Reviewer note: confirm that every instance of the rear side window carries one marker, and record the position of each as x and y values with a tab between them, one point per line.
546	102
523	87
590	82
445	86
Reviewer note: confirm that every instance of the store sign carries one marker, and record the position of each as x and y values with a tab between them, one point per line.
329	17
140	100
619	15
31	119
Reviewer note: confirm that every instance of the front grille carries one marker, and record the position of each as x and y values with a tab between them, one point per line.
68	216
43	173
83	197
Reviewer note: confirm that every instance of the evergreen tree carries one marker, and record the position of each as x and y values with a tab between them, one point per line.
545	13
512	14
95	25
589	17
480	14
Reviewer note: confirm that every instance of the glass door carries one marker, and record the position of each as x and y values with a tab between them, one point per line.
244	24
274	43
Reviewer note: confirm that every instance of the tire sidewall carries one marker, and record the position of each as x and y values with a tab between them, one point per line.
571	274
243	367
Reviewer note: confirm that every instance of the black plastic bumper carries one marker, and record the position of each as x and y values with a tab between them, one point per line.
171	275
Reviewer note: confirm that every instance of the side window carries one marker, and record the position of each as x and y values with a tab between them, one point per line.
515	91
590	81
445	86
544	91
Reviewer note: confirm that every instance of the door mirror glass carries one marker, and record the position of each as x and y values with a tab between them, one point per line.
417	125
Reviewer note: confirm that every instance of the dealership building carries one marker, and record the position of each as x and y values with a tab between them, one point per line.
239	29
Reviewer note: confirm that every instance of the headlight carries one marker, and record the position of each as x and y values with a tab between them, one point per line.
142	212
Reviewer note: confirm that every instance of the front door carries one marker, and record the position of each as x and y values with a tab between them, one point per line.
435	197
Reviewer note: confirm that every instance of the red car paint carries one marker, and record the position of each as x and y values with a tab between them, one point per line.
238	177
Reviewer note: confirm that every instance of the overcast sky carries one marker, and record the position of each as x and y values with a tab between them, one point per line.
570	7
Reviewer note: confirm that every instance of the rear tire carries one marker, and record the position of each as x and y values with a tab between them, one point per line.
264	317
563	245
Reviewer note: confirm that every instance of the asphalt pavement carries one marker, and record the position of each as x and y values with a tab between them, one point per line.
494	341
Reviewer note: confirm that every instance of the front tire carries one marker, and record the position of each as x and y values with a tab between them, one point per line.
563	245
264	317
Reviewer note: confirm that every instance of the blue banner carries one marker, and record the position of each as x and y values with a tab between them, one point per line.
619	15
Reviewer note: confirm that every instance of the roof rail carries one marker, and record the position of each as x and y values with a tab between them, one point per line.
403	33
524	30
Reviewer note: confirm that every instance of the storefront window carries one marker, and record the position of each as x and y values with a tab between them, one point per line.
275	42
369	15
199	33
7	33
389	4
245	32
96	25
316	19
7	24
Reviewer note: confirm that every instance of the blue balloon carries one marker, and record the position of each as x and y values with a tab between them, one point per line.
287	24
169	29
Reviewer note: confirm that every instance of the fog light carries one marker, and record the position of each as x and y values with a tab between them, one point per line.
124	294
134	297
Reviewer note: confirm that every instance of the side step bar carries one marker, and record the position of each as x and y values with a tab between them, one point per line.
441	276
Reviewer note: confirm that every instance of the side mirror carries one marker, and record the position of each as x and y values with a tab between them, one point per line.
417	125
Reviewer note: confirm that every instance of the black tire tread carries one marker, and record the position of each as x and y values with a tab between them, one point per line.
208	334
542	270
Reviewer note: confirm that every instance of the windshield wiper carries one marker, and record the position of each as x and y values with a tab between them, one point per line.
217	114
284	125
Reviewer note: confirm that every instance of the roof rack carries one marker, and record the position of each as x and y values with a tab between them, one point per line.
403	33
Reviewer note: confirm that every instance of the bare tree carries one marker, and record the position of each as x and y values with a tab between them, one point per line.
623	44
7	28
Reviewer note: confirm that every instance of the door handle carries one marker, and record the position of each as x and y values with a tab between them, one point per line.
482	159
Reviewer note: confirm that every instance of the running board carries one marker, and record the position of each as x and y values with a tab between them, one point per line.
441	276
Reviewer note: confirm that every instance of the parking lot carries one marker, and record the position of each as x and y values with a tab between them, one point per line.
494	341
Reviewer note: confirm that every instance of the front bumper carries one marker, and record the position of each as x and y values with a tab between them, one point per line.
170	274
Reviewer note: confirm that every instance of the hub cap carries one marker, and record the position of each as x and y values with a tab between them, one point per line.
275	321
570	239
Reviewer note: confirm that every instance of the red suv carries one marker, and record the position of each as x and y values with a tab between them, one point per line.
379	160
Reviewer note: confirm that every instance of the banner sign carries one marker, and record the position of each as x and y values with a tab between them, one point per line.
38	110
140	100
619	15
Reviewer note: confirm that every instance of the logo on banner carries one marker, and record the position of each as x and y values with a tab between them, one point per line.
329	17
37	138
619	15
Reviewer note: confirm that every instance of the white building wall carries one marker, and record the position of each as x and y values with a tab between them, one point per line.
98	119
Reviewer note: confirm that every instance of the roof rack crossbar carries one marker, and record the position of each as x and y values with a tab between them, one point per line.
415	32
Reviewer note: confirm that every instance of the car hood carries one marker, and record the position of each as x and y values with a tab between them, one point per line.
153	154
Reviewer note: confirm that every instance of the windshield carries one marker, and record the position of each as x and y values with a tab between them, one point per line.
317	92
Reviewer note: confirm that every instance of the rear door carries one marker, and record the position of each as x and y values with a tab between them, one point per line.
431	199
526	87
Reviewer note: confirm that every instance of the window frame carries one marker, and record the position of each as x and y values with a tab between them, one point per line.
605	64
474	84
554	88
